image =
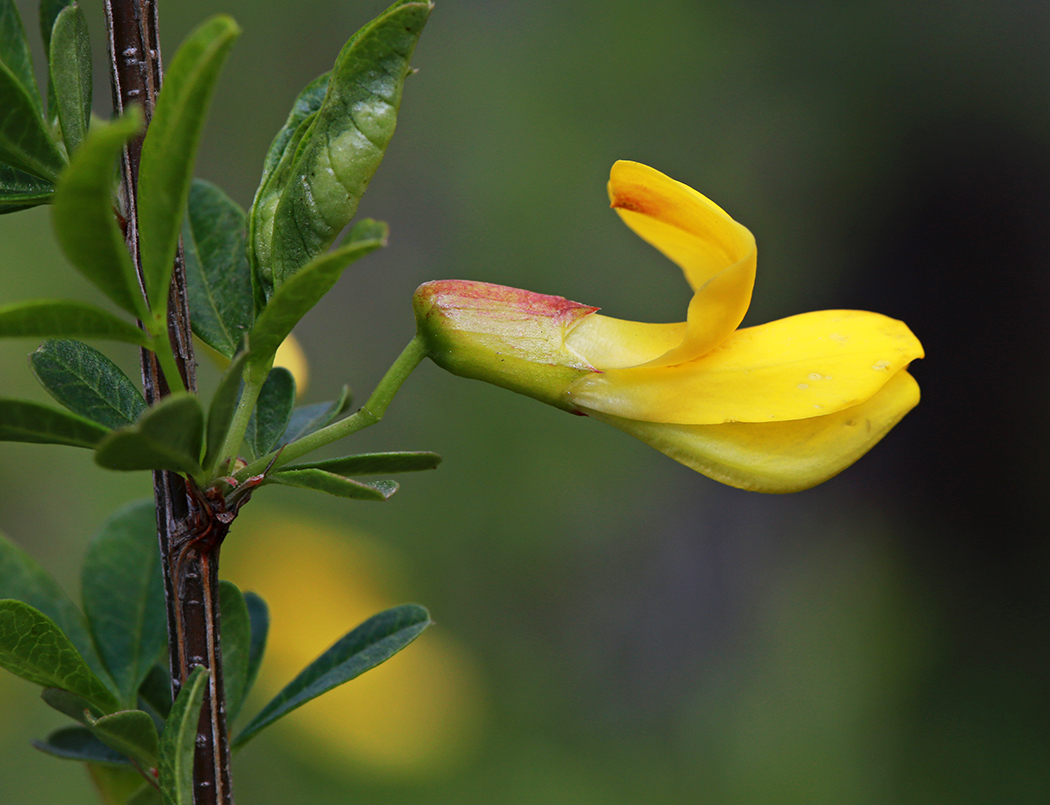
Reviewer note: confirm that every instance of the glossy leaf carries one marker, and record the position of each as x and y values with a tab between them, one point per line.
70	704
259	617
170	149
70	74
77	743
311	418
22	578
345	141
57	318
373	642
169	436
123	594
218	280
20	190
333	484
25	143
14	50
272	412
34	648
236	635
85	223
374	463
296	297
177	741
224	406
130	732
87	382
24	421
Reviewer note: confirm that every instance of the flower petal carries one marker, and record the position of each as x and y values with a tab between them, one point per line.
716	253
795	368
780	456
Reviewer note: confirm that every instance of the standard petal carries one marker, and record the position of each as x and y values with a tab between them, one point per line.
716	253
795	368
780	456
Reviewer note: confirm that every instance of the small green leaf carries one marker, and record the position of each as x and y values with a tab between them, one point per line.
130	732
373	642
34	648
177	740
84	218
14	50
146	795
57	318
123	594
311	418
77	743
155	691
236	635
333	484
20	191
272	412
218	280
70	74
49	11
69	704
345	140
25	143
224	406
170	149
24	421
296	297
259	615
87	382
374	463
168	436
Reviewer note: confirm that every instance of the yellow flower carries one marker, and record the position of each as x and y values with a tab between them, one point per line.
775	408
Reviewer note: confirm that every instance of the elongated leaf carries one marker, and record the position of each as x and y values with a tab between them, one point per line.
218	280
22	578
77	743
259	615
308	419
123	595
24	421
70	74
333	484
49	11
47	318
169	436
25	143
345	142
373	463
87	382
155	691
170	149
236	634
20	191
85	224
69	704
34	648
272	411
373	642
130	732
224	406
296	297
177	741
14	50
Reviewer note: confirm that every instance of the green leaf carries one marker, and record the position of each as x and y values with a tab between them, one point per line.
374	463
224	406
259	616
87	382
22	578
48	318
84	218
20	191
77	743
177	740
218	280
311	418
155	691
130	732
296	297
236	635
345	140
333	484
170	148
272	412
34	648
373	642
69	704
25	143
169	436
14	51
24	421
123	593
146	795
70	74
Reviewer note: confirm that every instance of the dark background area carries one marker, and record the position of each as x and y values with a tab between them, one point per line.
612	627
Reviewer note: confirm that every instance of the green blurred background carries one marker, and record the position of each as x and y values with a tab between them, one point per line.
611	627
